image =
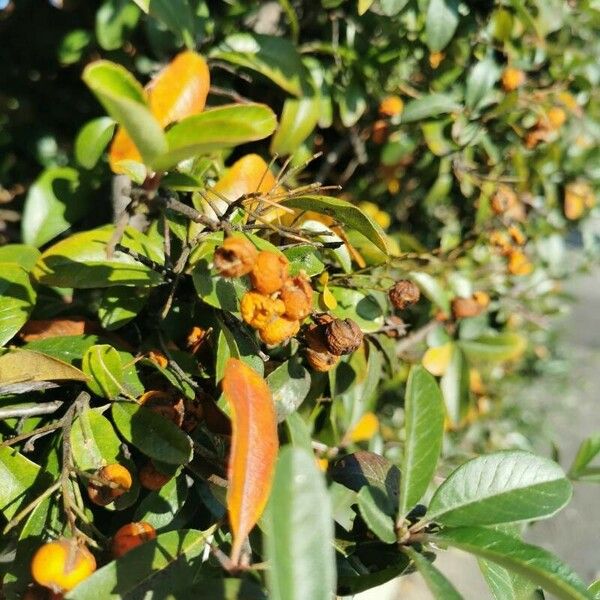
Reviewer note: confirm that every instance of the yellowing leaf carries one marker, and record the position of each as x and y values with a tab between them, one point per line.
254	445
328	299
366	427
179	90
437	359
18	366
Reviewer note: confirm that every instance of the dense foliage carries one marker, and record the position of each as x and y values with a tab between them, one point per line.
266	269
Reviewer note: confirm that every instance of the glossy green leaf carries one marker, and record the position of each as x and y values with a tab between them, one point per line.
391	8
18	300
455	386
424	431
20	254
52	205
352	103
17	478
505	584
115	20
429	106
68	348
374	509
161	507
433	289
80	261
503	487
298	120
289	384
273	57
345	213
438	585
342	505
156	569
221	292
441	23
151	433
176	15
494	348
125	101
304	258
216	129
594	589
301	558
359	306
102	365
92	140
536	564
73	46
119	305
480	81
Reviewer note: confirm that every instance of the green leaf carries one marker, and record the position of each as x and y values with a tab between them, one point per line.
505	584
455	386
221	292
345	213
536	564
289	384
80	261
176	15
273	57
20	254
95	444
391	8
342	502
52	205
433	289
115	20
119	305
102	365
359	306
18	476
301	559
352	103
161	507
125	101
156	569
67	348
298	120
480	81
424	425
594	589
588	450
438	585
151	433
304	258
216	129
494	348
428	106
374	509
73	46
503	487
92	139
441	23
18	300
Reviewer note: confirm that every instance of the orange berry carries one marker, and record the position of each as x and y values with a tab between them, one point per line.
504	200
579	196
435	59
165	404
518	237
196	339
114	474
269	272
482	298
391	106
500	240
151	478
297	296
62	564
518	263
512	79
279	330
259	310
130	536
158	358
235	257
556	117
380	131
463	308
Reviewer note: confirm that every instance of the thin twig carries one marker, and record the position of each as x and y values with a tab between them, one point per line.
31	410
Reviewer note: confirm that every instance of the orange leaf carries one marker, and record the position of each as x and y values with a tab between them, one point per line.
179	90
254	446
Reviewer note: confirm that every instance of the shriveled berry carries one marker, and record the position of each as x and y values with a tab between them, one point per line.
258	310
404	293
297	296
269	272
343	336
166	404
110	482
463	308
316	351
131	536
151	478
235	257
62	564
279	330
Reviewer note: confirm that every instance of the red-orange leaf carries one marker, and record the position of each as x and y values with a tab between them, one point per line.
177	91
254	446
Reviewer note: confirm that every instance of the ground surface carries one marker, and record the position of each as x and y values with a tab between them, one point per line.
575	413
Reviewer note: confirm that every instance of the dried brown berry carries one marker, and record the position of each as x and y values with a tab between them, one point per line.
235	257
297	296
151	478
380	131
463	308
317	354
166	404
404	293
259	310
279	330
269	272
395	327
343	336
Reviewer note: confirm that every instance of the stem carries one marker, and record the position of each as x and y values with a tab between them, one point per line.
30	410
40	431
416	337
30	507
